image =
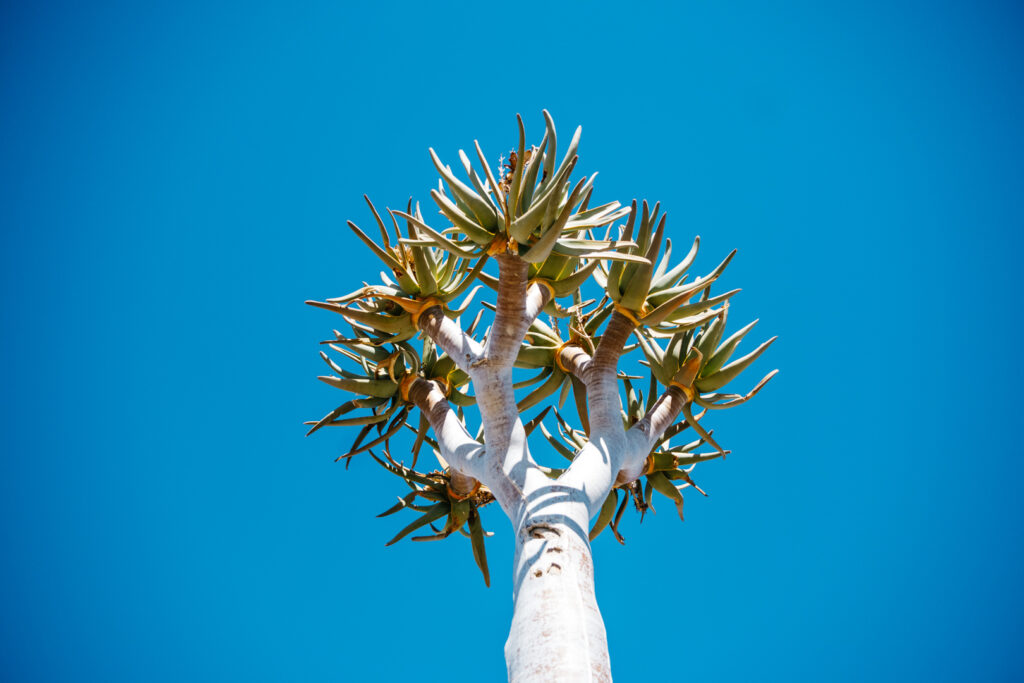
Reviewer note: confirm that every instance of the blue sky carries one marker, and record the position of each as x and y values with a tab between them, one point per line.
175	180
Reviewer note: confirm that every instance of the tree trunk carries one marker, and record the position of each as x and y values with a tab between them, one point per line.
557	632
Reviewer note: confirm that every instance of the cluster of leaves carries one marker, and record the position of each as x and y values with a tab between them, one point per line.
458	512
382	370
377	379
531	210
421	274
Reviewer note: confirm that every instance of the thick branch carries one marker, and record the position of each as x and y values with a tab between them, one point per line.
597	465
642	436
616	332
447	335
458	448
462	452
490	370
518	305
596	461
574	360
601	376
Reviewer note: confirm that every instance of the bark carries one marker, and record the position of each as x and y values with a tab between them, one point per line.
557	631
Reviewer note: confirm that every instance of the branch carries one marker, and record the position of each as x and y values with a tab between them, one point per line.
490	370
599	459
596	467
464	454
574	360
519	303
641	437
447	335
601	377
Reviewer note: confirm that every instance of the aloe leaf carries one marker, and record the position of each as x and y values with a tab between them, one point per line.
388	432
460	220
534	357
568	159
491	181
384	256
381	323
642	240
663	486
461	399
616	268
708	340
549	158
434	513
532	424
473	275
542	248
458	516
634	294
564	394
584	245
380	223
699	428
673	275
721	356
523	226
604	517
480	208
559	448
405	473
579	393
359	421
655	357
646	220
337	412
684	324
476	535
436	237
599	317
604	255
367	387
549	387
403	502
421	434
371	353
732	370
663	262
574	282
517	174
614	526
709	401
481	189
688	310
596	217
683	294
452	266
694	458
530	173
533	380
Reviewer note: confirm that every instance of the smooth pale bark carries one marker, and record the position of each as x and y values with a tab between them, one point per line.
557	633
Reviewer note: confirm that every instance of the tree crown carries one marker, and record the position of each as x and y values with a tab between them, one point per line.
529	212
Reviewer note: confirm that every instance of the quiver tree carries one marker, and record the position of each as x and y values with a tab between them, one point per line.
418	361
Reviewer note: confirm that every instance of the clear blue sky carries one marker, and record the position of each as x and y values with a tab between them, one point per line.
174	182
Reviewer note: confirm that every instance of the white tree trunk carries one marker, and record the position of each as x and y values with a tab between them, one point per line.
557	632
